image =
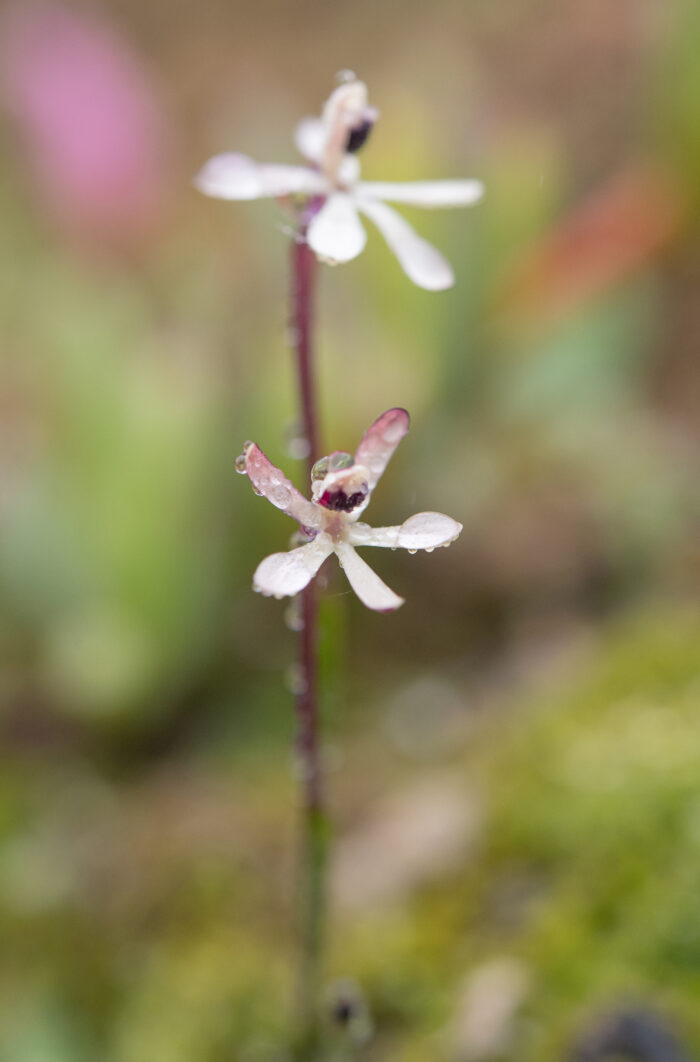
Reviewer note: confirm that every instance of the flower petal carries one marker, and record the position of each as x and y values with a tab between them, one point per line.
421	261
284	574
269	481
336	232
379	442
425	193
367	585
310	138
428	530
234	176
422	531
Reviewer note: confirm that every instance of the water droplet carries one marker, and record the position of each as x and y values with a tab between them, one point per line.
256	490
240	465
295	679
319	470
429	549
413	551
298	447
293	616
280	495
339	460
344	76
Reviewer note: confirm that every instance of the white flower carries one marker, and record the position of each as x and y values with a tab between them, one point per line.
336	193
341	489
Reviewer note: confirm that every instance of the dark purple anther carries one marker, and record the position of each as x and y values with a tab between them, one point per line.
340	502
358	136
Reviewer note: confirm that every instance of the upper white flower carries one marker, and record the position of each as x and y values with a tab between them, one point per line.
341	488
338	195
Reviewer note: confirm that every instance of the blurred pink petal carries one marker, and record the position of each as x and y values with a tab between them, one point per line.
88	115
622	225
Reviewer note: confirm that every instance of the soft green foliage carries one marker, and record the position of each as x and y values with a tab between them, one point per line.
147	790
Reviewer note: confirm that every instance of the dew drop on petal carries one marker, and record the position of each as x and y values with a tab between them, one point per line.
413	551
319	470
345	76
280	495
256	490
339	460
240	465
429	549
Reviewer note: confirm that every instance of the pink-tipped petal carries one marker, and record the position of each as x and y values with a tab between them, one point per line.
428	530
285	574
269	481
234	176
424	193
370	589
336	232
310	138
379	442
422	262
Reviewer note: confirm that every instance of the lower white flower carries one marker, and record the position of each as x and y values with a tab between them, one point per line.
341	488
333	184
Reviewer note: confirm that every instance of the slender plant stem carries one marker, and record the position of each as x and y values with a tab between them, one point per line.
314	828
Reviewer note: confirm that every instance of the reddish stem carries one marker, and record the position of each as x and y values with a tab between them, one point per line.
303	277
314	824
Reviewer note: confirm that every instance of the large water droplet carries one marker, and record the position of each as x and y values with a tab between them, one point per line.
240	464
280	495
298	447
320	469
339	460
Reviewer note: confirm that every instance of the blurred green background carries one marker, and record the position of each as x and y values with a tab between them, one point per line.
514	757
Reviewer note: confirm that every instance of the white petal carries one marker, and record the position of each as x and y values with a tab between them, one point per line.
425	193
379	442
367	585
234	176
271	482
349	171
336	232
421	261
422	531
284	574
310	138
428	530
363	535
